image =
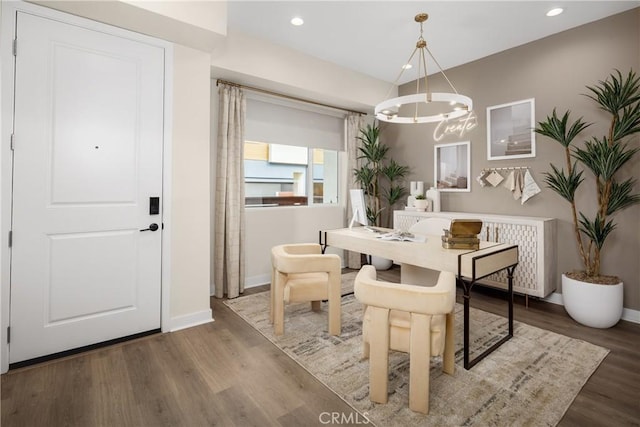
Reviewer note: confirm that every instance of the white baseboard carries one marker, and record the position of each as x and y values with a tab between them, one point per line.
190	320
554	298
627	314
631	315
253	281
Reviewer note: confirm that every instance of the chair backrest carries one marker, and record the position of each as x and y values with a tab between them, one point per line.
438	299
433	226
303	258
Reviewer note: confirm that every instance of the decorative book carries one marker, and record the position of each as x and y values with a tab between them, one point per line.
462	234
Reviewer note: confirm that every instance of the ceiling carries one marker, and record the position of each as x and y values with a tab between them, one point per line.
377	37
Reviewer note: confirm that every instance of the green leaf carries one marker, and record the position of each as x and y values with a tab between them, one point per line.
616	93
628	123
394	171
394	193
562	183
596	230
557	129
621	196
602	158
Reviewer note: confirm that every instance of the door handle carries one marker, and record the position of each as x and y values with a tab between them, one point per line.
152	227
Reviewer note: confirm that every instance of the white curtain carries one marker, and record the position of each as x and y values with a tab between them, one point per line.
229	234
354	123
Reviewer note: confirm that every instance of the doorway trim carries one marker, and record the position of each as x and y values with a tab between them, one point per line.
8	11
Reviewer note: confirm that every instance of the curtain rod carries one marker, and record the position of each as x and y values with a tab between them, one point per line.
294	98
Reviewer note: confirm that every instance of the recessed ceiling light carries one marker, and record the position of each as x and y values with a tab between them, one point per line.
407	66
297	21
555	11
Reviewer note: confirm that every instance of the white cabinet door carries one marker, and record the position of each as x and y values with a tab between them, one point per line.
88	156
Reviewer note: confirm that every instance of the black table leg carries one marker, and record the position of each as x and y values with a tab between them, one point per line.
468	364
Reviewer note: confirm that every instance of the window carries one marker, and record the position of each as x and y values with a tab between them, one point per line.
285	175
290	155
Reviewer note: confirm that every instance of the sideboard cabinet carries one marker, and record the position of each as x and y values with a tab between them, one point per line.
535	274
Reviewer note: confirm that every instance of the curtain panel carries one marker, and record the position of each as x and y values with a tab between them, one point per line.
354	123
229	223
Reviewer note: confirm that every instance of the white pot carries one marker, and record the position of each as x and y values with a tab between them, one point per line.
421	203
597	306
380	263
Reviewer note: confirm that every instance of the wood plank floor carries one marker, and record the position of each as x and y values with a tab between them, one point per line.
227	374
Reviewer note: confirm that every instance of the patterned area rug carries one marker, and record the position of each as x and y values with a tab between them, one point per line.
529	381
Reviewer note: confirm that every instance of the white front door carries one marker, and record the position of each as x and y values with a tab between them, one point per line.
87	159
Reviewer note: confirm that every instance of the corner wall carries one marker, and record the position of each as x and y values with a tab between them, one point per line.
190	189
554	71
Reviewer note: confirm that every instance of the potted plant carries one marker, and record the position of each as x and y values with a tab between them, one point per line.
590	297
381	178
382	181
421	202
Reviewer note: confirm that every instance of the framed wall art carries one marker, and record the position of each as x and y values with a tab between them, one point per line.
452	166
510	132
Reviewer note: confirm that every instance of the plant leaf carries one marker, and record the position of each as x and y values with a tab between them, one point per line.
562	183
621	197
596	230
556	128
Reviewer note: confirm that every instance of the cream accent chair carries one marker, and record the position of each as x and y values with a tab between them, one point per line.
413	319
433	225
300	272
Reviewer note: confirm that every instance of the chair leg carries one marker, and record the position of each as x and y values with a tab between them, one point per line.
379	357
278	307
272	295
448	358
419	360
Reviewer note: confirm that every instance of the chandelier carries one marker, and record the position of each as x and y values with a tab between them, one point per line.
429	107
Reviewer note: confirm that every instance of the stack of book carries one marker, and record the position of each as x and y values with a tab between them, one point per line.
463	234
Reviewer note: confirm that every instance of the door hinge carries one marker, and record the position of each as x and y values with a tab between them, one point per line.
12	141
15	47
8	334
10	238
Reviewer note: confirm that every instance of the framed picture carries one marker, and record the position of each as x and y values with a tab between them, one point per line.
510	132
452	166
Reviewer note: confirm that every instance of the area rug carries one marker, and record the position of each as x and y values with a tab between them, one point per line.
530	380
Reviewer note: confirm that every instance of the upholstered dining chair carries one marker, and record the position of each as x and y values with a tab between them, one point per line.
417	320
432	225
301	272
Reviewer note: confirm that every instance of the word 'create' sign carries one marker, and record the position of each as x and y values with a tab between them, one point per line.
458	126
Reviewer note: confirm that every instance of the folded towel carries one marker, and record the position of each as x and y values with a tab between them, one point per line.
509	182
530	188
481	178
494	178
518	184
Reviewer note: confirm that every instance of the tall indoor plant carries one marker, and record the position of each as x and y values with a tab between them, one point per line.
590	297
381	178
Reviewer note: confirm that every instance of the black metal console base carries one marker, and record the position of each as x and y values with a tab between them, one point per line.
466	286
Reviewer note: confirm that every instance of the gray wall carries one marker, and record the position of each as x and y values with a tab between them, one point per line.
554	71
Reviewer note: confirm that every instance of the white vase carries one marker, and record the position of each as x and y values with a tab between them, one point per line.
433	194
597	306
380	263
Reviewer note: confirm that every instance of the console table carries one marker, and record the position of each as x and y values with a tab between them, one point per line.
418	260
536	239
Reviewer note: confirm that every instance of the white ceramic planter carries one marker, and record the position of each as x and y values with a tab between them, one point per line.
421	203
597	306
380	263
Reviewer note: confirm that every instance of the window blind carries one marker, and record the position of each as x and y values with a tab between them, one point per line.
278	123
